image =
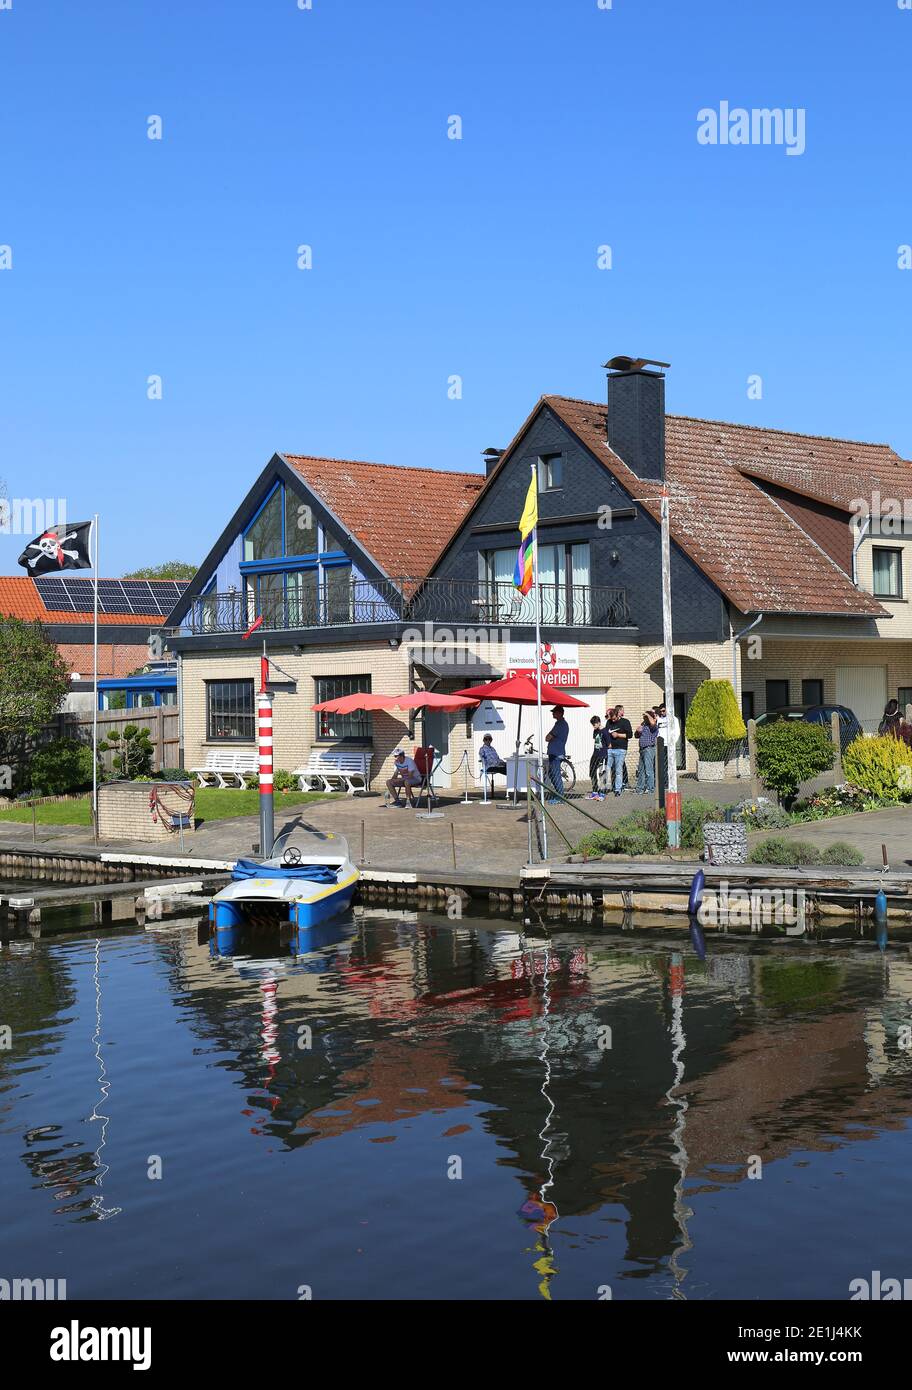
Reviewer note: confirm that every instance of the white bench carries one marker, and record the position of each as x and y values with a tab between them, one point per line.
221	765
335	769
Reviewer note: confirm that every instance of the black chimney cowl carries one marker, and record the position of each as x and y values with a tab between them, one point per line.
636	415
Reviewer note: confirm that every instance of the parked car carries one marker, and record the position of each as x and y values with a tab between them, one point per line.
849	727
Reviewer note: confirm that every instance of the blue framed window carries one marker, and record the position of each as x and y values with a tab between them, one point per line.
296	573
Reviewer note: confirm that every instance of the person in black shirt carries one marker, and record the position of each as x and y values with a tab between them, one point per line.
617	735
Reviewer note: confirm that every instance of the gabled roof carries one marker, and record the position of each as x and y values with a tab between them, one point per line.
19	598
402	517
741	539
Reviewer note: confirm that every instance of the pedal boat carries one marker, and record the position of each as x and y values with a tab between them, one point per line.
307	880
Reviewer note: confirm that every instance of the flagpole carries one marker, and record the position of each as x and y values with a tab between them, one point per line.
538	673
95	691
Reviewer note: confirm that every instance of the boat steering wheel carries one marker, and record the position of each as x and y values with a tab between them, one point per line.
291	856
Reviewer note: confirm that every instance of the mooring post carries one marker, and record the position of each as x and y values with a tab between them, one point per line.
837	744
264	737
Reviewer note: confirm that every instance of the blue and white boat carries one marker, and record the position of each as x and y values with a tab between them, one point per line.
308	879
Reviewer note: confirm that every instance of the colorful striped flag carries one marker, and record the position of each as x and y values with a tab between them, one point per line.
523	577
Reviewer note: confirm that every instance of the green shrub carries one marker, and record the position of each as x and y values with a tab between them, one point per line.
714	721
791	751
173	774
60	767
283	781
778	850
841	853
762	814
635	842
881	766
694	815
251	780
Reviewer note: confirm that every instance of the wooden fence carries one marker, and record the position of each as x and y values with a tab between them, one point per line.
162	722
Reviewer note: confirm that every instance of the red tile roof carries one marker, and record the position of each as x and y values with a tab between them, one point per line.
757	556
402	517
19	598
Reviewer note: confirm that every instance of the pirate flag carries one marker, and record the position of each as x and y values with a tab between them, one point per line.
58	548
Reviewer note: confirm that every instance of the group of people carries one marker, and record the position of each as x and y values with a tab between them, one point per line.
611	742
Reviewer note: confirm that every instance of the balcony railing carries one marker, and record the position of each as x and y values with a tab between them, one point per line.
449	601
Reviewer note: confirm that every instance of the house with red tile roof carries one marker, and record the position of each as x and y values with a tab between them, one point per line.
786	578
130	612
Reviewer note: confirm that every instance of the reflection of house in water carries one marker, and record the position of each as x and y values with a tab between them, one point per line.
776	1052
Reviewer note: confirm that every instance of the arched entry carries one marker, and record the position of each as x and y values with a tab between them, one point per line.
689	673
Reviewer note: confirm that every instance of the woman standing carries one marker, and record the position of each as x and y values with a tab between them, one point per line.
891	724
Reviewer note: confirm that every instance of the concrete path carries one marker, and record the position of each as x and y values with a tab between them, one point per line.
867	831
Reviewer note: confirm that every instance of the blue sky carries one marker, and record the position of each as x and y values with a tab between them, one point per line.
431	256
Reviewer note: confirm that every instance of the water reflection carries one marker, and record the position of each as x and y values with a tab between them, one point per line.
619	1084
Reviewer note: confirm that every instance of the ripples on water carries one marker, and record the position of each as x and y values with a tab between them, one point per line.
419	1109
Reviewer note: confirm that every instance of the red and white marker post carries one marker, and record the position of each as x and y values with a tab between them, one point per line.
264	749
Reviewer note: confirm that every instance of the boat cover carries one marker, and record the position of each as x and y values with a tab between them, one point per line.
311	873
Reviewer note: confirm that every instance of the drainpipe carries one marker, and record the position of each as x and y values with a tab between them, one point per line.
860	535
736	638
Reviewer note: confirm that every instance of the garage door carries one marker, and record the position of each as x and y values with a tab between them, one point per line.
864	690
500	719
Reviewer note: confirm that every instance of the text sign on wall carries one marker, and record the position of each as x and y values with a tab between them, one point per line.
558	662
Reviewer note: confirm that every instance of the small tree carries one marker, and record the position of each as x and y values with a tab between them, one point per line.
789	752
169	569
133	751
714	721
33	679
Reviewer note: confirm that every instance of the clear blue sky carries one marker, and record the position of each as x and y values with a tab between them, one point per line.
432	257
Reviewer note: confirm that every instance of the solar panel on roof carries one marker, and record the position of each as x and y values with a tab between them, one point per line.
151	598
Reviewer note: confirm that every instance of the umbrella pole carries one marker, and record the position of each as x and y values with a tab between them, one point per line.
516	764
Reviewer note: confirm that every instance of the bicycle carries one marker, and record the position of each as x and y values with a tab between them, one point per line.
568	771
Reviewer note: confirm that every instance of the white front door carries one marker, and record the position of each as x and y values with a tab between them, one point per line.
863	689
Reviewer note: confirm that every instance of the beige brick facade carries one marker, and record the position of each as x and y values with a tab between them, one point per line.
628	674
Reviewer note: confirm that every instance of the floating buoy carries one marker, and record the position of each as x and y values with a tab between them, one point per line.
698	940
880	907
698	883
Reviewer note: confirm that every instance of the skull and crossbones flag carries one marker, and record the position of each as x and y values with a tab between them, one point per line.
58	548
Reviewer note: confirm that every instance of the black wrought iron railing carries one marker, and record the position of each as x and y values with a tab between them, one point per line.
409	600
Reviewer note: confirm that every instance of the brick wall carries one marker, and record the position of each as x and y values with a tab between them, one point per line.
114	659
124	813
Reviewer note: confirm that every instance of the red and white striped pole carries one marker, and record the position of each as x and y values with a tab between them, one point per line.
264	742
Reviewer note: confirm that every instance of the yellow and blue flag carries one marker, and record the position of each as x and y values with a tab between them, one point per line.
523	577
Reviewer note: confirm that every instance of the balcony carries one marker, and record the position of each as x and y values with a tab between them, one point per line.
414	601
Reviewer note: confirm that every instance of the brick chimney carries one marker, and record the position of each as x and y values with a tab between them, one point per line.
636	414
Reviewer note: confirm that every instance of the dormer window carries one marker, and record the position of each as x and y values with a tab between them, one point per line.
550	473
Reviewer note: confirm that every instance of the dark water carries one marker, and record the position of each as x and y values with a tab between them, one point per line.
457	1078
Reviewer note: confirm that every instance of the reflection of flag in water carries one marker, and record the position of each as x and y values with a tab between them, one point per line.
523	578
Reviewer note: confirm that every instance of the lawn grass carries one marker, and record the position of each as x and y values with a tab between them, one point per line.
53	813
211	804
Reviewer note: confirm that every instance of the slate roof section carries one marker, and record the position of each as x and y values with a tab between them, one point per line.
402	517
748	546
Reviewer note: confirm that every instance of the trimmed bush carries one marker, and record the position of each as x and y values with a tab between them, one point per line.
714	721
881	766
790	752
841	853
172	774
60	767
132	749
283	781
778	850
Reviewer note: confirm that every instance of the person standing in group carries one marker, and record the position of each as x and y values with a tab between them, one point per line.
556	739
647	732
596	762
615	739
665	726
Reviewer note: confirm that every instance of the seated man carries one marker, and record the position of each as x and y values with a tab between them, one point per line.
406	776
491	761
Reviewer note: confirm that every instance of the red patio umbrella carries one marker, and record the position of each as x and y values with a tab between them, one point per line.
522	690
348	704
430	699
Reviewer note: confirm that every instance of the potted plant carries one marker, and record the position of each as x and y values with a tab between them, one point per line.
715	728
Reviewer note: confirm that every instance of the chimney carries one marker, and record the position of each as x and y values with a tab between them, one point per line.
492	458
636	414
